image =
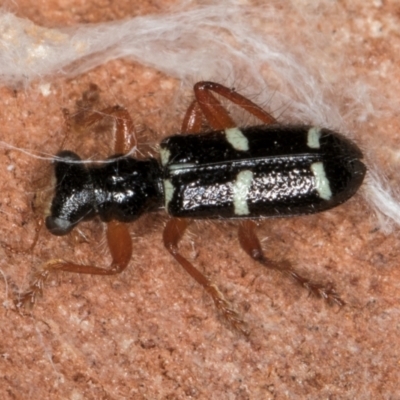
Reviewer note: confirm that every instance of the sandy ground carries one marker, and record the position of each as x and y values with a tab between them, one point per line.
152	332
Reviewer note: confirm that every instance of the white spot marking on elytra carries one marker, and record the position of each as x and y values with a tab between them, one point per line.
168	192
241	189
236	138
165	154
321	181
313	136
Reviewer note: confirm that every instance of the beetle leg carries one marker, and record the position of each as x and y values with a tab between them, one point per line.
120	245
30	248
125	139
192	122
173	233
216	114
251	245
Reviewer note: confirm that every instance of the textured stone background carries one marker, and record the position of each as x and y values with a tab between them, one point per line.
152	333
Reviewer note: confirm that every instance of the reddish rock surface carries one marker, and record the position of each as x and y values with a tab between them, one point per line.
152	332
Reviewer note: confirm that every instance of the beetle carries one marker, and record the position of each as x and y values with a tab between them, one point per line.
269	170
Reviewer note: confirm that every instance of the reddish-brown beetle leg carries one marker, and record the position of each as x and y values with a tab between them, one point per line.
251	245
216	114
124	130
209	107
173	233
120	245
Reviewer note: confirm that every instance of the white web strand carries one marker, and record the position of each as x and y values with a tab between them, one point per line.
186	44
